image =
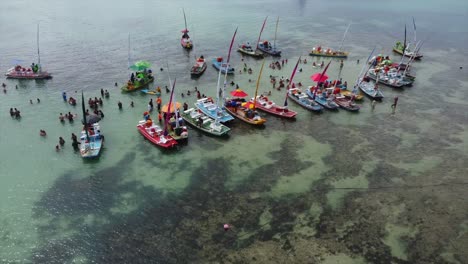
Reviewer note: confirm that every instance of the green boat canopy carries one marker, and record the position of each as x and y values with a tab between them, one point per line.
140	66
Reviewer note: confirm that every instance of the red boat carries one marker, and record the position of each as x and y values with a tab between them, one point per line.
19	72
266	105
346	103
155	134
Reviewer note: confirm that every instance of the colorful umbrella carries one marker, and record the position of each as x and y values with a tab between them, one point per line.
238	93
318	77
166	107
140	66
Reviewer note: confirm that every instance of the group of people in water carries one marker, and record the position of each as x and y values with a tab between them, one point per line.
15	113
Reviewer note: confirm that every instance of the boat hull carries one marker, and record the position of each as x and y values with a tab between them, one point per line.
272	51
138	86
417	57
238	113
25	75
385	82
91	148
255	54
156	137
346	104
218	66
368	89
208	125
304	101
146	91
329	105
273	109
186	44
197	70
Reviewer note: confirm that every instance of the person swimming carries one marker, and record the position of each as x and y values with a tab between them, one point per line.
42	133
61	141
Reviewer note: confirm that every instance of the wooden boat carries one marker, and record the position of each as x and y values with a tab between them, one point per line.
91	138
185	41
138	83
347	93
199	68
404	48
247	49
370	89
266	47
266	105
207	106
388	79
303	100
177	130
346	103
199	120
318	51
155	134
33	73
235	108
220	65
327	102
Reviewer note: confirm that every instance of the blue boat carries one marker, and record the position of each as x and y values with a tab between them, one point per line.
327	103
220	65
370	89
266	47
91	142
303	100
210	109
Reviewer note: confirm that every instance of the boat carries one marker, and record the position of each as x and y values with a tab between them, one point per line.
370	89
199	68
246	48
266	47
404	48
173	123
303	100
185	41
91	137
346	103
322	98
319	51
240	108
155	134
347	93
200	121
220	65
209	108
35	72
140	82
391	78
265	104
213	109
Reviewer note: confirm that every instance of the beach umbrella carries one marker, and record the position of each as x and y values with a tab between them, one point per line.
318	77
91	119
140	66
166	107
238	93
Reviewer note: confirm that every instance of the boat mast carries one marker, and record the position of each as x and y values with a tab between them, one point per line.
169	107
128	63
404	43
414	26
261	30
258	83
359	80
227	65
185	19
276	30
344	36
174	98
38	53
84	115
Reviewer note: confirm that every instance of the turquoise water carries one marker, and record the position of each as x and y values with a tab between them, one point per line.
329	188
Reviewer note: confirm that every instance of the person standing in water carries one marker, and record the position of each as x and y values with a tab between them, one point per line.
64	96
394	105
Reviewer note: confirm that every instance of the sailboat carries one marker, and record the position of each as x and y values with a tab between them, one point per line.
214	109
91	137
185	41
266	47
154	133
366	86
298	96
199	68
319	51
247	49
142	77
174	124
35	72
265	104
404	48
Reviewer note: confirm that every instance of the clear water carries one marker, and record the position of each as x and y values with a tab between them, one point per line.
328	188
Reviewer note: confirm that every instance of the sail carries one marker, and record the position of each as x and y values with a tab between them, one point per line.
258	83
414	27
323	73
128	63
185	20
404	43
291	81
168	114
84	115
359	80
260	35
227	63
174	98
344	36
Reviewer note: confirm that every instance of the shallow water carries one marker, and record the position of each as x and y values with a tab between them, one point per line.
337	187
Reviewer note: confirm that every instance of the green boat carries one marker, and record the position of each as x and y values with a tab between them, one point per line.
138	83
204	123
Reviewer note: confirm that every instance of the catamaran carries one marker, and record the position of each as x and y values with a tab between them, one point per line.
34	72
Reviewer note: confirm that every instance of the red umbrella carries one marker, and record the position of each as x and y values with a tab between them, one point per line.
238	93
318	77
